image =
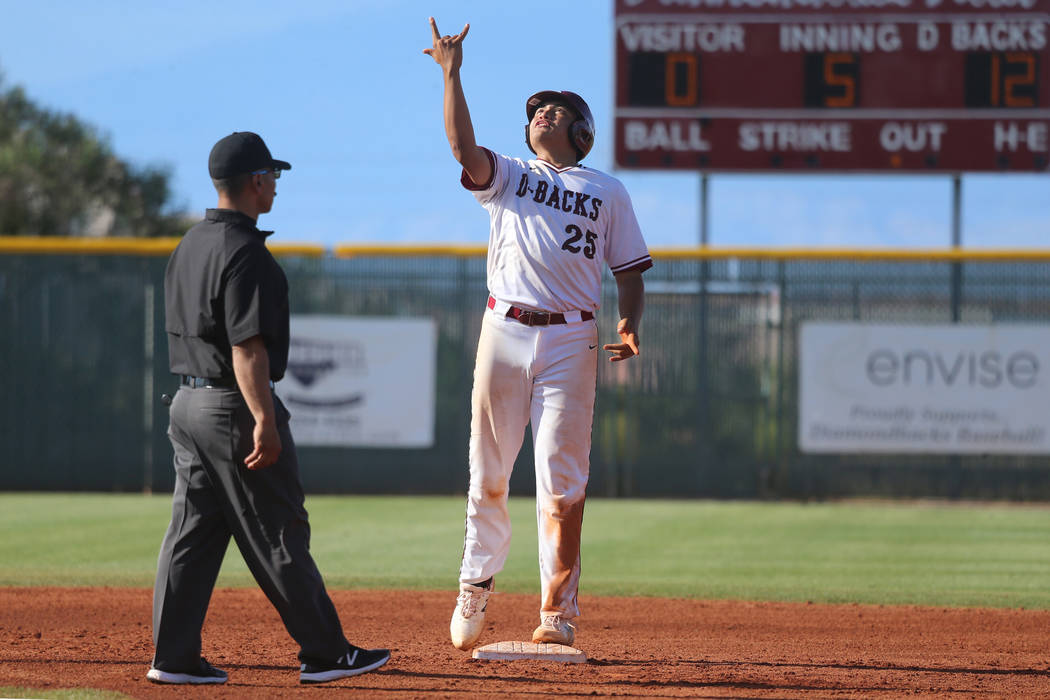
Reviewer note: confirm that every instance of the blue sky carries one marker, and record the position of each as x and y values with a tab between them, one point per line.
342	90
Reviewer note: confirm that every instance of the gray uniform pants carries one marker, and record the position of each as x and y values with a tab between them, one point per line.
216	496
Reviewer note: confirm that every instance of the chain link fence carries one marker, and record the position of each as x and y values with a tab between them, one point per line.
709	410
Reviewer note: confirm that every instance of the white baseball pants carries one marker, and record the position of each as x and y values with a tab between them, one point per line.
546	374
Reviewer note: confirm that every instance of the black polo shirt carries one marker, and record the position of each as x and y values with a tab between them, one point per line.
221	287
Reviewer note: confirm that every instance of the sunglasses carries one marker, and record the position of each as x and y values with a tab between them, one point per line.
275	171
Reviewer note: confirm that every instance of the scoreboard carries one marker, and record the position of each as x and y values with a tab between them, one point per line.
833	85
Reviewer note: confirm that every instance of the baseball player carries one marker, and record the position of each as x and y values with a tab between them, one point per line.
554	224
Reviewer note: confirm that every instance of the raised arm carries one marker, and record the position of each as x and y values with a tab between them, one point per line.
447	52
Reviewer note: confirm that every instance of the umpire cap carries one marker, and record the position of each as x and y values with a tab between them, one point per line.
239	153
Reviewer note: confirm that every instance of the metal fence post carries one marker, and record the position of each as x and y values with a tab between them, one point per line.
704	399
956	290
955	461
781	456
147	383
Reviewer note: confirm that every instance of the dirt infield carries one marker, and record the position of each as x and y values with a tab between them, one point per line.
100	638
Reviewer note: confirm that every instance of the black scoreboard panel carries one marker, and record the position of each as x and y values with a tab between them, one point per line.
883	85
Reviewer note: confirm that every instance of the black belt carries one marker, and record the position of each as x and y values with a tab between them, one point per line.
538	318
210	382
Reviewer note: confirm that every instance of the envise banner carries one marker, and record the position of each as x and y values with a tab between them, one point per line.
950	389
361	382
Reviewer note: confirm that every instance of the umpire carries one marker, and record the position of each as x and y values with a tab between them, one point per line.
236	471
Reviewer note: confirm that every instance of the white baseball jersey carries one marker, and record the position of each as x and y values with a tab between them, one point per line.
551	231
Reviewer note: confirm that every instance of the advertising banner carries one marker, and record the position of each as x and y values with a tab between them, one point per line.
950	389
361	382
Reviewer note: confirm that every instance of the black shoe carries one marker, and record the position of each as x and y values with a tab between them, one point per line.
354	663
205	673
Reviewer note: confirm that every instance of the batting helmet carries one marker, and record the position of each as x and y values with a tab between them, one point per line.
581	131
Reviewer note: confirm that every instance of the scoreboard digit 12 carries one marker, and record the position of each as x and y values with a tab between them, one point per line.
833	85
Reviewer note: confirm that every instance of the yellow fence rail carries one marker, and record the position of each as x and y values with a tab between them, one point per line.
29	245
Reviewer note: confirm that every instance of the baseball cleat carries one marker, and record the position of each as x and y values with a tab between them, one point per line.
468	619
355	662
205	673
554	629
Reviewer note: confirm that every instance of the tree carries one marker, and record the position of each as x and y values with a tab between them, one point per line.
58	177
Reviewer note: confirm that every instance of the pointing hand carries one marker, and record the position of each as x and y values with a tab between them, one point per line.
447	51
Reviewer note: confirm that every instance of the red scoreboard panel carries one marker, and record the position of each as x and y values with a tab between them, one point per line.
833	85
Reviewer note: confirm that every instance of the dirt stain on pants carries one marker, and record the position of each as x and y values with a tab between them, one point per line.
560	528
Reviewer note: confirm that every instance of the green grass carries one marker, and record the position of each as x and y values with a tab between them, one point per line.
62	694
894	553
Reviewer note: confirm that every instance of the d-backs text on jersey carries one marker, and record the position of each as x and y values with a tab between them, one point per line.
566	200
